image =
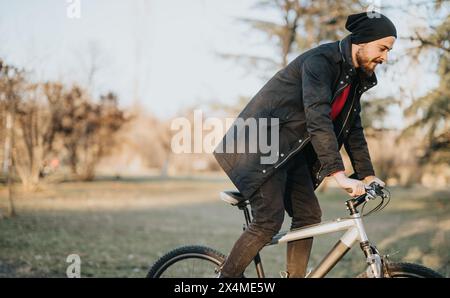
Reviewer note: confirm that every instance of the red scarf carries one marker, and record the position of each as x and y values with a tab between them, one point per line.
339	102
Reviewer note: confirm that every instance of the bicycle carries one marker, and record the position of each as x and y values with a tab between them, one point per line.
176	263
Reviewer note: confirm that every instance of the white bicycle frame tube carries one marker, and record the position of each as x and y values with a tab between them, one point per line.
353	226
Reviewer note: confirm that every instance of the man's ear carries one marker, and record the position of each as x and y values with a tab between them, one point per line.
357	46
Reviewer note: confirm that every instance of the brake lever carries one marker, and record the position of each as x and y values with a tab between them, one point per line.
379	190
371	194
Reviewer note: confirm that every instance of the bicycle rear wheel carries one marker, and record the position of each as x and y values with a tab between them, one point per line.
407	270
188	262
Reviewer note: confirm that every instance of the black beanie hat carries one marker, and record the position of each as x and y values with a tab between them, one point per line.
369	26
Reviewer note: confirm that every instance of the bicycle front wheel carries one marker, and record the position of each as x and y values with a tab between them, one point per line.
407	270
188	262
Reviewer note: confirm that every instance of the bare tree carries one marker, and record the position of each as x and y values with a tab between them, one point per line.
31	126
12	80
301	25
88	129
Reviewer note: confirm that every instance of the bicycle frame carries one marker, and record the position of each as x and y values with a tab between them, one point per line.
355	232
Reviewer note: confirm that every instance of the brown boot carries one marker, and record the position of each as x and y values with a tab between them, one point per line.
298	252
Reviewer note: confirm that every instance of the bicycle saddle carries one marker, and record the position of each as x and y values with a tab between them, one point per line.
232	197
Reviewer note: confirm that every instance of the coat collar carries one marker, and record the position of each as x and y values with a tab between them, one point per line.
345	50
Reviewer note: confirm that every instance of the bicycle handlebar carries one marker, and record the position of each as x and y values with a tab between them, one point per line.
372	192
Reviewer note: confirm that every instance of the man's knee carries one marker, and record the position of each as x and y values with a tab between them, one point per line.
313	217
317	215
269	227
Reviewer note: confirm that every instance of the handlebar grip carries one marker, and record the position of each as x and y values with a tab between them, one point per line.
375	186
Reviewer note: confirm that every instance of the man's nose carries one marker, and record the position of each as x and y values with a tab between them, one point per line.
385	57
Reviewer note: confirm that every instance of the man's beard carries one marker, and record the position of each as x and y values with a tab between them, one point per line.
364	62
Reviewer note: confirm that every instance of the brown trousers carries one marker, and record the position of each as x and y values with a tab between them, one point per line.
289	189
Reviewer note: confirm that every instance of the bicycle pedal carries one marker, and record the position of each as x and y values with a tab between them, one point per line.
284	274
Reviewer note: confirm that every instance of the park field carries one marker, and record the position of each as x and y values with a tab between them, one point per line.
120	227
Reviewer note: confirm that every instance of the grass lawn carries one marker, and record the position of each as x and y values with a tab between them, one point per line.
119	228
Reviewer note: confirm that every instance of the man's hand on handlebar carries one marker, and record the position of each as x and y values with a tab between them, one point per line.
369	179
352	186
355	187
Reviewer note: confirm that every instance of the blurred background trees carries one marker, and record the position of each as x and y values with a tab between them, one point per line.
430	113
46	124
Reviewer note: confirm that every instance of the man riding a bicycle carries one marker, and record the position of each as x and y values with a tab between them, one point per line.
316	98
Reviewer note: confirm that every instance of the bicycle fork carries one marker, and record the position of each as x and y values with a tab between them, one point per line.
375	264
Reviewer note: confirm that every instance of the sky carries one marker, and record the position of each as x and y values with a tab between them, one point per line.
163	54
166	50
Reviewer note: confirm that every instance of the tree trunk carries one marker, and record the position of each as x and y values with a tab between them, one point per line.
8	166
8	139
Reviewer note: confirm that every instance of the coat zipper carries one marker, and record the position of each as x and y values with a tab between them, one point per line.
345	122
337	93
292	152
348	114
